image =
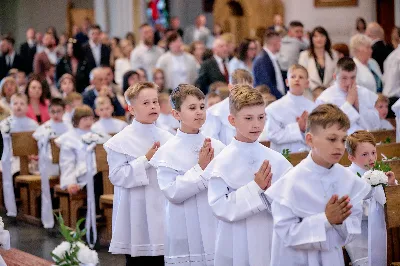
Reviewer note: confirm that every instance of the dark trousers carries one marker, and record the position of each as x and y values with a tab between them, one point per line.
144	261
392	101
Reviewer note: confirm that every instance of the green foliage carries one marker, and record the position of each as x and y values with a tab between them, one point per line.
381	166
387	140
286	154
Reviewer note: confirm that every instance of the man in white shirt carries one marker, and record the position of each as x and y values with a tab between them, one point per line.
197	32
391	78
357	102
146	54
266	69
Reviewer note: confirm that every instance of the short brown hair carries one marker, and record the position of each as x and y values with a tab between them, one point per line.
342	48
296	67
163	97
133	91
241	76
179	95
216	85
243	95
102	100
326	115
73	96
263	89
269	35
19	96
81	112
360	136
346	64
212	94
382	98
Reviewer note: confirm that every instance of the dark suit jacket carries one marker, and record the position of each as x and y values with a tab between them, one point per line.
380	51
64	66
89	98
28	54
4	68
208	74
264	73
91	63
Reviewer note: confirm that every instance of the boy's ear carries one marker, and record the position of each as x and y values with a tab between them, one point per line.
231	120
131	110
309	140
287	82
96	111
352	158
334	76
176	114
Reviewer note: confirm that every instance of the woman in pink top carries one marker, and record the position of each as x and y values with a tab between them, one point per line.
38	105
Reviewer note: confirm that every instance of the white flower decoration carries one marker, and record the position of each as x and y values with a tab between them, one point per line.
375	178
5	126
93	137
86	255
1	224
61	249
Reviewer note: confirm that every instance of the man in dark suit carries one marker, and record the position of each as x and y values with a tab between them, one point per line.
27	51
215	68
99	80
266	69
380	50
95	54
9	59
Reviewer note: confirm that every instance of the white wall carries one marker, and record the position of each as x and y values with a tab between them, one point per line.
397	12
338	21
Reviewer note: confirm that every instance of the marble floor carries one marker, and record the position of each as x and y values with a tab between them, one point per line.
39	242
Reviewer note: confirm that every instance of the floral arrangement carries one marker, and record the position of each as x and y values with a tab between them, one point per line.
93	137
376	175
72	251
286	154
5	125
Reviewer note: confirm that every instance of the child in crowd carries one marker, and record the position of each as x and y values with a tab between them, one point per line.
21	81
8	87
17	122
66	84
317	206
358	103
361	147
139	205
180	165
106	123
266	93
166	120
72	101
317	92
382	105
53	128
212	98
396	110
287	117
217	125
238	176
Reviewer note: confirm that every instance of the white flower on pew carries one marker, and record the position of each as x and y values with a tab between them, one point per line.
61	249
86	255
1	224
5	125
375	178
93	137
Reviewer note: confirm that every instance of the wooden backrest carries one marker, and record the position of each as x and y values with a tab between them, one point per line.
23	144
266	143
395	165
389	150
296	157
55	151
122	118
101	158
345	159
382	135
392	206
392	121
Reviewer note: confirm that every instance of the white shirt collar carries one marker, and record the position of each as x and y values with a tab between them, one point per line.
357	169
219	59
93	45
273	56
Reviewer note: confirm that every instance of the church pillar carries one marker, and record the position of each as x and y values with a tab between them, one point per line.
100	11
121	17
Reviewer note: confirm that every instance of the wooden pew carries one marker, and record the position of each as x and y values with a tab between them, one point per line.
106	204
389	150
395	165
392	121
122	118
16	257
392	217
266	143
383	135
296	157
24	145
69	204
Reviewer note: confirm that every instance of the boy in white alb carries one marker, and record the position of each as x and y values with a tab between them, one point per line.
166	120
287	117
72	101
317	206
17	122
358	103
139	205
190	224
53	128
217	125
106	123
382	105
368	248
238	176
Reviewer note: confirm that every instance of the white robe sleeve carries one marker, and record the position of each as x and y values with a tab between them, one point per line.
307	233
211	127
126	171
351	112
68	167
280	134
370	118
178	188
229	205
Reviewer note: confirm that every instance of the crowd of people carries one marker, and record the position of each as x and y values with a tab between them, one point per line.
189	108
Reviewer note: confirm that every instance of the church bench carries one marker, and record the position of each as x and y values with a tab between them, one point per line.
382	135
106	204
392	121
24	145
266	143
102	167
122	118
395	166
296	157
389	150
392	217
16	257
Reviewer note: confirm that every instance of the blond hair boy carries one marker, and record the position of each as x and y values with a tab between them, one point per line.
106	123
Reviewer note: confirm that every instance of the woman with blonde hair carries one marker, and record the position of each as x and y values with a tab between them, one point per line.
8	87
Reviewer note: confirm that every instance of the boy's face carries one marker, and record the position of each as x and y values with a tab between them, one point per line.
145	108
67	86
327	144
85	123
249	122
346	79
192	114
364	156
21	78
383	109
297	81
56	113
19	107
165	107
105	110
268	98
212	101
77	103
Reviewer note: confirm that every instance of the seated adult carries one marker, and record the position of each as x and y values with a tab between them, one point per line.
38	106
369	74
341	49
245	55
380	50
98	79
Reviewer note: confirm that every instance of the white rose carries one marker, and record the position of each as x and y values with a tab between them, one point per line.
1	224
375	177
86	255
61	249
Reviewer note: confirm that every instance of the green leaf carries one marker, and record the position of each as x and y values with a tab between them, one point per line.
358	174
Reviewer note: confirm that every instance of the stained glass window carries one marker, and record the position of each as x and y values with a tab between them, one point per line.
157	12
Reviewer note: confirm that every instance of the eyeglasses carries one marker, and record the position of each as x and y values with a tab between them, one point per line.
54	112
